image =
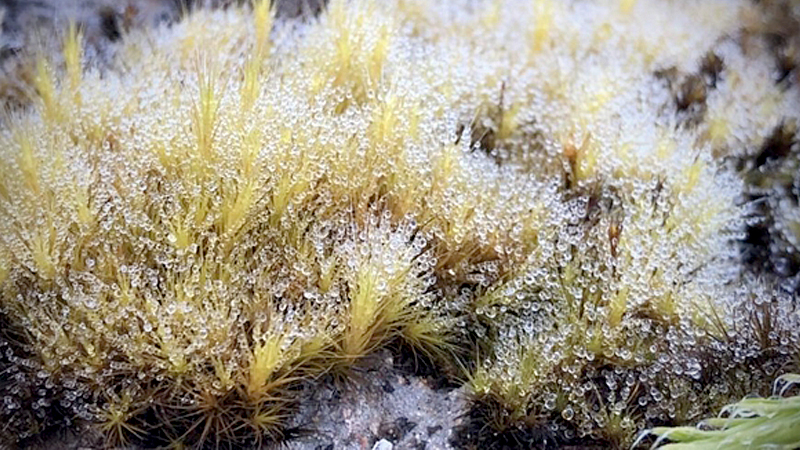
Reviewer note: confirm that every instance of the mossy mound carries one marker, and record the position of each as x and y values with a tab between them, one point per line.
235	204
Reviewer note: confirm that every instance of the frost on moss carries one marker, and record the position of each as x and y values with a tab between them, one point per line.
236	204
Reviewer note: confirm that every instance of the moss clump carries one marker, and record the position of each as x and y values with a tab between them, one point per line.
236	204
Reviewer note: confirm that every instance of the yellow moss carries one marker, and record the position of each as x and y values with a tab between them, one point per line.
364	309
114	421
626	6
385	124
691	176
223	373
316	348
42	254
618	307
46	90
586	159
603	32
252	81
509	122
263	17
264	361
718	130
543	21
492	15
82	207
426	334
73	58
268	418
180	234
4	267
236	206
599	99
205	118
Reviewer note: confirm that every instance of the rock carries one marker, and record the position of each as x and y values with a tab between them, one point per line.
383	444
396	430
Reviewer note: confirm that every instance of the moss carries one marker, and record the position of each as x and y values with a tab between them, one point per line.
237	204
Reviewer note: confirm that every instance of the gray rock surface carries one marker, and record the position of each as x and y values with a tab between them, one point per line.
380	403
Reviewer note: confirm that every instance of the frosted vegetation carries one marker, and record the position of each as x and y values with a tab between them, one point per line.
235	204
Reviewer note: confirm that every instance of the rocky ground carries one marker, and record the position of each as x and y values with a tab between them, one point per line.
405	411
